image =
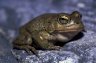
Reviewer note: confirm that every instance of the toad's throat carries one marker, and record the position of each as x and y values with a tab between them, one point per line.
64	36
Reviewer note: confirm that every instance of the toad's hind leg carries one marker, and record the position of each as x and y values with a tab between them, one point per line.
24	42
27	48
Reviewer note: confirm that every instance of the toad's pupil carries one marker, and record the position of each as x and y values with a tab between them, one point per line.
63	21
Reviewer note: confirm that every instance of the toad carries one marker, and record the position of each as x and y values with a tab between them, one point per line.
45	30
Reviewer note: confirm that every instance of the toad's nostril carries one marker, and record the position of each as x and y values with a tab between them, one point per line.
77	23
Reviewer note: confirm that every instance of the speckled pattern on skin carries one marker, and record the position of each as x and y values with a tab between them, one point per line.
18	12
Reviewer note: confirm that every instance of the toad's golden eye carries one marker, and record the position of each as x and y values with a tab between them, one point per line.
63	21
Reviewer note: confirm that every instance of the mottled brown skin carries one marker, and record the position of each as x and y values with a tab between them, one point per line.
44	31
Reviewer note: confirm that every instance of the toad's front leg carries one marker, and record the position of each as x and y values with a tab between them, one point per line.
42	39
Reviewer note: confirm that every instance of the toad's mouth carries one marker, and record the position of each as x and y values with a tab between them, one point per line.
70	30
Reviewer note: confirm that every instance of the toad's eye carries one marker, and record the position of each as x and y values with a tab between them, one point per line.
63	21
